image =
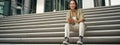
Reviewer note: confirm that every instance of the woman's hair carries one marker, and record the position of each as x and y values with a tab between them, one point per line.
75	3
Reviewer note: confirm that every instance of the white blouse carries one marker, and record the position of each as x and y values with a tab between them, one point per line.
74	18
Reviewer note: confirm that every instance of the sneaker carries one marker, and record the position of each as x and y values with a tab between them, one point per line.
80	40
66	41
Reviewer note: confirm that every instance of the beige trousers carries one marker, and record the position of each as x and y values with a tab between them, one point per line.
79	27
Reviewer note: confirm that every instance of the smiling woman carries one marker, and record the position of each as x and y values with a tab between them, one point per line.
75	22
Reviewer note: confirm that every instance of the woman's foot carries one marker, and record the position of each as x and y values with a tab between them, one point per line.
80	40
66	41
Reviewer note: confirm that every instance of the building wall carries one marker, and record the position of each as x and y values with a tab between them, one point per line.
115	2
112	2
107	2
40	6
88	4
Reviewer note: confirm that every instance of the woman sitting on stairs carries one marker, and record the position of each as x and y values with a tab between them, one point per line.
75	22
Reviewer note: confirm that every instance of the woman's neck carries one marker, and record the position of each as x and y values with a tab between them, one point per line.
73	10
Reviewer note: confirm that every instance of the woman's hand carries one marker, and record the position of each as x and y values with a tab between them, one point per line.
70	20
78	21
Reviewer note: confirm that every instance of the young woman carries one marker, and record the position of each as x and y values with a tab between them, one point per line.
75	22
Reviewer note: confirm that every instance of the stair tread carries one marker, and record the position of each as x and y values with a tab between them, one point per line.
91	40
103	11
56	22
58	44
62	24
61	34
60	18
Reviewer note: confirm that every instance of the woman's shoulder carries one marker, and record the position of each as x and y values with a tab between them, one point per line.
80	10
68	11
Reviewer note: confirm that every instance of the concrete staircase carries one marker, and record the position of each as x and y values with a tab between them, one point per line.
103	28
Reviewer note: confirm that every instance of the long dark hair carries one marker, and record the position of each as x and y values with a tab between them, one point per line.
75	4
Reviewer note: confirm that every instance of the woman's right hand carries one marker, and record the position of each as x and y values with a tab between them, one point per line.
70	21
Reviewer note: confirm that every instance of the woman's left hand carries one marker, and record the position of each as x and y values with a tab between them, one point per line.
78	21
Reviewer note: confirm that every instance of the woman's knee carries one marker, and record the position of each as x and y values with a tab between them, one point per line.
81	24
67	24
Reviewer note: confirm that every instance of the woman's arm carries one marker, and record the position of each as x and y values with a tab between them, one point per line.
81	20
81	16
69	19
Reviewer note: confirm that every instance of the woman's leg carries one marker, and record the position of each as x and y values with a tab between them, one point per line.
81	29
81	32
67	30
67	33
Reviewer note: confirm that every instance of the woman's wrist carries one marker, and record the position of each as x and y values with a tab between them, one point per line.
80	21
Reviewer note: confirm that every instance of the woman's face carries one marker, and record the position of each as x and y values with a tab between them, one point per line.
72	5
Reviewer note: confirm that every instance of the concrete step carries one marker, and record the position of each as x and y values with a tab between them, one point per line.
52	25
51	22
59	40
59	34
59	22
100	9
100	12
46	13
57	29
103	7
58	44
35	16
45	29
31	23
97	15
103	28
35	26
25	19
60	18
103	11
43	16
109	22
51	29
86	16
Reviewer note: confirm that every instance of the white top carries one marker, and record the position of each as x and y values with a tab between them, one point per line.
74	18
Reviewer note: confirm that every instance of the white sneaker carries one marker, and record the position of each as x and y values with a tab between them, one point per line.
65	42
79	42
